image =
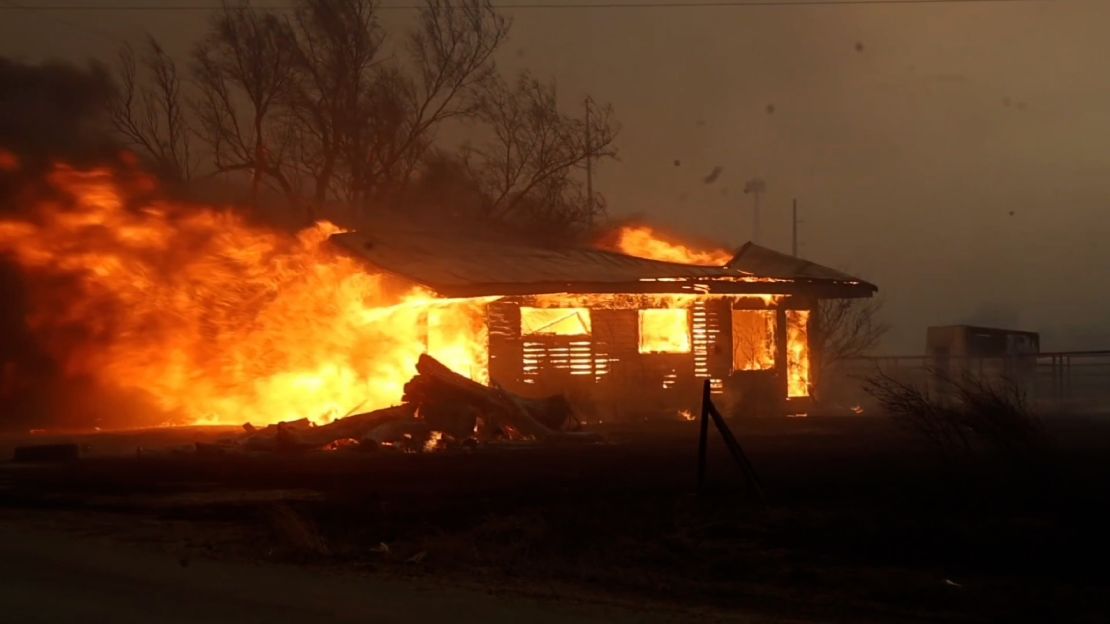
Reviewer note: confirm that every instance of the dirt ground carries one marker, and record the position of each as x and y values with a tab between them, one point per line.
861	523
50	577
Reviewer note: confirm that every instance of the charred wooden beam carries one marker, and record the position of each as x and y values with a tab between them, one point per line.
530	418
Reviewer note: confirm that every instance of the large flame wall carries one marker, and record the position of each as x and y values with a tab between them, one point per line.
211	319
215	320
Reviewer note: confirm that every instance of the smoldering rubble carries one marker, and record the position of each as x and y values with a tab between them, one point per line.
440	410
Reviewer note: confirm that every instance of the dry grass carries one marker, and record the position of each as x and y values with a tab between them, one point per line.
965	413
861	523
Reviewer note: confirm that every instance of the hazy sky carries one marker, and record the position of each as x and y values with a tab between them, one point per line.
957	156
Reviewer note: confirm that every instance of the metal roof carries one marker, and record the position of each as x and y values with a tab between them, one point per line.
470	267
770	263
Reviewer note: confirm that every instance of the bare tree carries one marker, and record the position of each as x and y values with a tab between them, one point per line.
310	104
962	413
245	68
338	43
841	329
845	328
148	109
527	165
451	51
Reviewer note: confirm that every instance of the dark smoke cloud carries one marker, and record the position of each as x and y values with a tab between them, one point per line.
49	112
54	111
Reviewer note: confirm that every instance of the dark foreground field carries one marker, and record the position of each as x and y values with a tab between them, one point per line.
861	523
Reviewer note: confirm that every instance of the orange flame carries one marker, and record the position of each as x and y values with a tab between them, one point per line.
797	352
753	340
215	320
664	330
644	242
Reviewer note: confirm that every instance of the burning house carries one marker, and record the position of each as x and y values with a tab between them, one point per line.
623	333
184	313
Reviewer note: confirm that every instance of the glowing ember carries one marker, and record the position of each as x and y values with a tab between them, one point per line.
214	320
434	442
644	242
340	444
686	415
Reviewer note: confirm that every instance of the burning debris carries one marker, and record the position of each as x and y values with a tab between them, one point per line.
441	409
208	318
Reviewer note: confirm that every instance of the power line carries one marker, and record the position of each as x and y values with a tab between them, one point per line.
81	29
734	4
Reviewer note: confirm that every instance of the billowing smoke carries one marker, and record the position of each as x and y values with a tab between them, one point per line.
54	111
47	111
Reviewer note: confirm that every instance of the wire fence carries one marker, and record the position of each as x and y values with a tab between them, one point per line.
1072	381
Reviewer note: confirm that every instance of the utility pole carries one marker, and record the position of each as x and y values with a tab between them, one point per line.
589	171
794	231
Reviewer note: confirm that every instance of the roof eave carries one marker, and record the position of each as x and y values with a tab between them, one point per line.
817	289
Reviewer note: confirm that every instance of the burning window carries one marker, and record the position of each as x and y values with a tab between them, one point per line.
664	330
797	352
753	340
555	322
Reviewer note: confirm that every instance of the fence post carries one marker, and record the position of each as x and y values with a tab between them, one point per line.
703	436
738	454
708	410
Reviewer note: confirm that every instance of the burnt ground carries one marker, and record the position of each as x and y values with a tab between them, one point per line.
861	522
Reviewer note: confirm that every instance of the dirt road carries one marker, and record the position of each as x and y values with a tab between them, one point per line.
52	578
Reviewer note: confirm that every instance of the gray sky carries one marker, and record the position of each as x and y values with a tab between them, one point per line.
908	133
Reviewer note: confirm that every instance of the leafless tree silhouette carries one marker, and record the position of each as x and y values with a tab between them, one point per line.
148	109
